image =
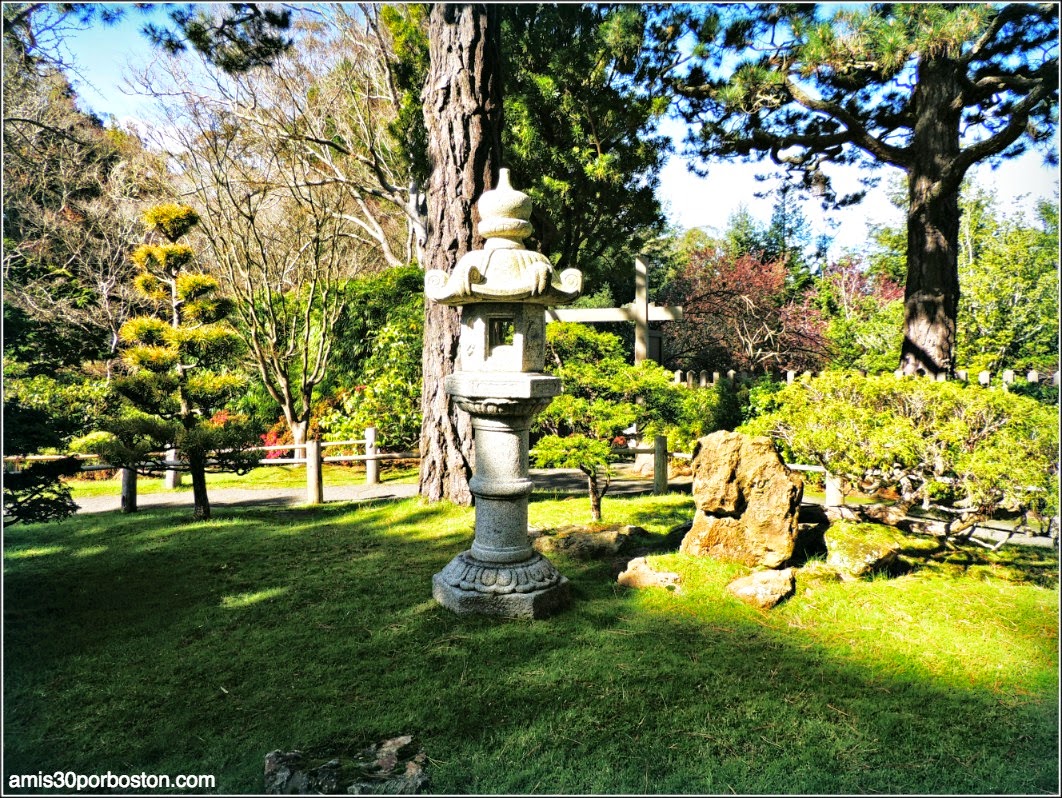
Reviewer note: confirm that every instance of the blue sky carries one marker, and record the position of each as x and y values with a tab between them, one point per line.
691	201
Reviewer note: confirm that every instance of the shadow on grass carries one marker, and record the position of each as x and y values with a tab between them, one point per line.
175	647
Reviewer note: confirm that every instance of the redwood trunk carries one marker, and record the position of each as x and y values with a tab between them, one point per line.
931	296
462	113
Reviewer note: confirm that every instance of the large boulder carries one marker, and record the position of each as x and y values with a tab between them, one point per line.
747	501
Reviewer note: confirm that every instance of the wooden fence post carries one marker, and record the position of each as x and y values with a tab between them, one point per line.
372	465
128	490
660	464
314	472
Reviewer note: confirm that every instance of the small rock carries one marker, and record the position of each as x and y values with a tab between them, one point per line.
763	589
856	550
586	544
640	574
287	774
393	767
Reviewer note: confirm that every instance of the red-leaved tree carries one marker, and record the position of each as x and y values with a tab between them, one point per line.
737	317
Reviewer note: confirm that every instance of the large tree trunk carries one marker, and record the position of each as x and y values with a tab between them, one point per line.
931	296
462	112
200	500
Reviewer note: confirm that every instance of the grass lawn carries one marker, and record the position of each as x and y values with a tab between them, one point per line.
273	477
153	643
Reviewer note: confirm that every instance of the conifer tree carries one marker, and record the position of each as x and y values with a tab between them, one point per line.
181	363
929	88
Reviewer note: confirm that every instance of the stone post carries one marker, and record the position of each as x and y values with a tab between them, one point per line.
172	479
660	464
503	290
834	491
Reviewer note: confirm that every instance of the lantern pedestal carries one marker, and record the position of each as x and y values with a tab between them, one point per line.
501	574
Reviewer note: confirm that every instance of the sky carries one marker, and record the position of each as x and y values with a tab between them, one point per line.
102	54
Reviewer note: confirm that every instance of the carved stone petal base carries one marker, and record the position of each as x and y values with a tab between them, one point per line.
533	588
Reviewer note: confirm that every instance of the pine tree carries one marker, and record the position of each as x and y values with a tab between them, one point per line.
929	88
181	361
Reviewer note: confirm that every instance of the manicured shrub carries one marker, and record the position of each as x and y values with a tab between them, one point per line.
966	447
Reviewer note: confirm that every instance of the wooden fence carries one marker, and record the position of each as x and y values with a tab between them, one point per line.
310	454
705	379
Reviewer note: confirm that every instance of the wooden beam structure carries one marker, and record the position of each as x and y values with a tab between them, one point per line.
641	311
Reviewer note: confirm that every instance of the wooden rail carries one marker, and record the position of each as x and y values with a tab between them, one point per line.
313	458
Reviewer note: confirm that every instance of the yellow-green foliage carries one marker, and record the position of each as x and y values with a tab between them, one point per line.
144	331
152	358
172	220
984	446
150	286
213	390
208	309
166	259
92	443
195	286
207	344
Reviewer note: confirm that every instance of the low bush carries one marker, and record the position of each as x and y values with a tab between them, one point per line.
969	449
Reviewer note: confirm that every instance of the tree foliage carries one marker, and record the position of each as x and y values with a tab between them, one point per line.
181	367
1008	265
931	89
863	315
385	390
36	493
72	189
970	450
737	315
1008	314
580	128
580	134
236	37
605	400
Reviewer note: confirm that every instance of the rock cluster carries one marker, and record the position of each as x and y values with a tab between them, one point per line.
396	766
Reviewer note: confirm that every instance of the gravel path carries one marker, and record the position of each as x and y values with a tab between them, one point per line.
546	480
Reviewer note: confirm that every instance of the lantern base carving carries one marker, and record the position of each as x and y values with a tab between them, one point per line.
532	588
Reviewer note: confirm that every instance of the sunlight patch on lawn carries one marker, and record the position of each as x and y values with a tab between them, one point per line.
33	551
89	551
241	600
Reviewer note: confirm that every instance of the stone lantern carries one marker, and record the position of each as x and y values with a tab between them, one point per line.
504	290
